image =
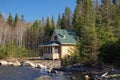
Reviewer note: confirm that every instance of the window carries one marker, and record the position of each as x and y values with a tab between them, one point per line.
55	38
57	50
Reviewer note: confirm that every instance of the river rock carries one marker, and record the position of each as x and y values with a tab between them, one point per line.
38	65
10	63
3	63
87	77
44	78
28	64
16	63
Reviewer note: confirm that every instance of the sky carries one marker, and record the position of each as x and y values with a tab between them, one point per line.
35	9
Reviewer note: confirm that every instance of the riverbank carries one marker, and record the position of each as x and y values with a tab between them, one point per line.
75	72
27	67
32	62
94	72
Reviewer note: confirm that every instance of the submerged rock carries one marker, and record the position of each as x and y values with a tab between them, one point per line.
44	78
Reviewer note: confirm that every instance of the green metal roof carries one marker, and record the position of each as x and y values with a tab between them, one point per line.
70	36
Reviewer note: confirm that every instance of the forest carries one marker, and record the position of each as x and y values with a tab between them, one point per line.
97	26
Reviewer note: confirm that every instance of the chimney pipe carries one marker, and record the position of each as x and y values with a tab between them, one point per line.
63	34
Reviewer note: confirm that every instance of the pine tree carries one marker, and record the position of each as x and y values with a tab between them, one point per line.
59	21
78	18
116	23
16	19
106	29
68	18
107	13
48	29
62	24
52	23
78	22
22	17
90	42
66	21
35	30
84	23
10	20
1	17
105	8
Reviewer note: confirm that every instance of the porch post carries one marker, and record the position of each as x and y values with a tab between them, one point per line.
45	49
52	52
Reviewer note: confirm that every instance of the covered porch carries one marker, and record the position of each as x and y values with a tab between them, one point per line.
51	50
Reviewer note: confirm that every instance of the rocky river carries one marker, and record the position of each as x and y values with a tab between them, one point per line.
30	70
51	70
25	73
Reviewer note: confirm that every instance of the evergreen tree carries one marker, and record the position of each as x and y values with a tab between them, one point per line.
84	23
109	53
66	21
106	21
116	17
63	22
1	17
22	17
48	29
10	20
78	22
16	19
52	23
105	9
90	24
59	21
107	29
35	30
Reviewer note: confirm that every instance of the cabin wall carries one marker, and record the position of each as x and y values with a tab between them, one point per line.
64	50
55	56
67	50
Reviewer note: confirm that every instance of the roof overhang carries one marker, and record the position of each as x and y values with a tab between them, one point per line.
52	43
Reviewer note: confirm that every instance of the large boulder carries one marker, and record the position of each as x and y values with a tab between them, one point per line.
44	78
28	64
3	63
